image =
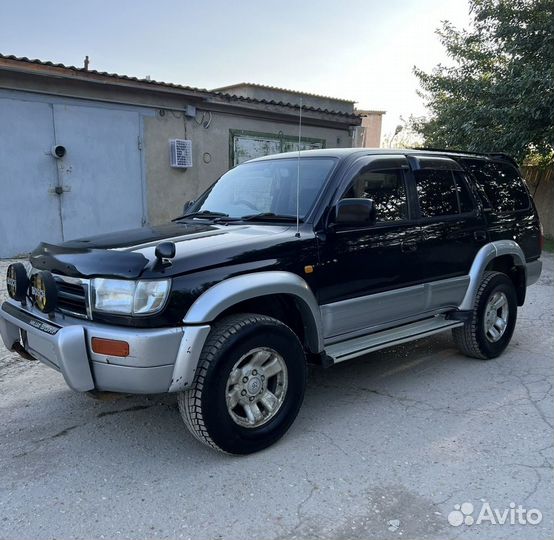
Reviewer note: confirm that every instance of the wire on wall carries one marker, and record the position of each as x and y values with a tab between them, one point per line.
205	123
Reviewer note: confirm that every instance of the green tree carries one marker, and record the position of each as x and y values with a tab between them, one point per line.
498	94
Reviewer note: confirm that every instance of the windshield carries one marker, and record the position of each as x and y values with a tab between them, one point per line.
266	187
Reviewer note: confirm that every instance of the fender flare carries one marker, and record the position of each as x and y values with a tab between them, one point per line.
231	291
484	256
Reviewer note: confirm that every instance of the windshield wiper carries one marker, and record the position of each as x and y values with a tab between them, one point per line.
268	216
202	214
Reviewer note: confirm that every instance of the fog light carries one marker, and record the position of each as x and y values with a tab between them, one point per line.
17	282
110	347
44	291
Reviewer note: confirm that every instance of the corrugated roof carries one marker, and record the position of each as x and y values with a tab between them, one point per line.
288	90
363	112
161	84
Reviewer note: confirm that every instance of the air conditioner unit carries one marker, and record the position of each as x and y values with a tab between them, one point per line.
180	153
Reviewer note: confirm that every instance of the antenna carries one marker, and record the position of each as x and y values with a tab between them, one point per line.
298	173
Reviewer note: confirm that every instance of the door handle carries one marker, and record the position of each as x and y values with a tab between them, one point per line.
480	235
408	247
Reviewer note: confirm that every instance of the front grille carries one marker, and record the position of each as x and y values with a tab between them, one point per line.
72	297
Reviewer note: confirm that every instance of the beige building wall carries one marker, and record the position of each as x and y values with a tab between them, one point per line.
372	122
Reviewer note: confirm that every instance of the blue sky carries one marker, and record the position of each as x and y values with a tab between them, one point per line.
359	50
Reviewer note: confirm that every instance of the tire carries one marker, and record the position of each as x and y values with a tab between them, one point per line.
473	339
235	345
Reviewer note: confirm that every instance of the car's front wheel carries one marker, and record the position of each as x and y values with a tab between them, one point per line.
248	387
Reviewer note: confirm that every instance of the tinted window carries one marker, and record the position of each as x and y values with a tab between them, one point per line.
464	197
386	189
501	183
442	193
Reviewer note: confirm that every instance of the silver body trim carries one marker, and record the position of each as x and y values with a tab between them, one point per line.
237	289
366	314
484	256
188	355
534	270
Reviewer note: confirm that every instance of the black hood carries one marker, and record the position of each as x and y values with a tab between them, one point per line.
130	253
131	238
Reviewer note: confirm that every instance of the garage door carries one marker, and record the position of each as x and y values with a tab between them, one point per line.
29	209
101	172
95	188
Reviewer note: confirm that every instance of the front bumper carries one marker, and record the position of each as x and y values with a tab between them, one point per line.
160	360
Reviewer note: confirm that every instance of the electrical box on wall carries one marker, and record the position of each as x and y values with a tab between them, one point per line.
190	111
180	153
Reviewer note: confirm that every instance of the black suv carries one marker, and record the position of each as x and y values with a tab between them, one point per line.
319	256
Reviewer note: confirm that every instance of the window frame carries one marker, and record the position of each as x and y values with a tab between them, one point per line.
348	179
462	176
277	137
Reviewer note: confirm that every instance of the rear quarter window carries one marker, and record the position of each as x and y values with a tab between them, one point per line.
501	183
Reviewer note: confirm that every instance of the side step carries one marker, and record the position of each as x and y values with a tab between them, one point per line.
351	348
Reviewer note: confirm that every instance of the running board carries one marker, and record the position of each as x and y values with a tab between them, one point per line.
345	350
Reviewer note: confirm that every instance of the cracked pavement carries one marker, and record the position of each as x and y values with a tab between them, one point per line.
383	448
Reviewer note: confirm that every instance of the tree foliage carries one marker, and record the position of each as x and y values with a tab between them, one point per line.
498	94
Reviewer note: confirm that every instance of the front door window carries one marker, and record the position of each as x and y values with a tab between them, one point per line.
387	190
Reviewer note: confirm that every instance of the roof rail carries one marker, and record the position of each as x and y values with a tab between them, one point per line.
451	151
500	155
507	157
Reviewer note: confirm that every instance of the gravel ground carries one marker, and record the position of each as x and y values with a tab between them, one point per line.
384	447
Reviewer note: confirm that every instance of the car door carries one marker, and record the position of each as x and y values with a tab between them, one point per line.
452	223
365	273
452	228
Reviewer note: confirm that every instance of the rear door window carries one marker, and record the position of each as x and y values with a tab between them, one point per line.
442	193
501	183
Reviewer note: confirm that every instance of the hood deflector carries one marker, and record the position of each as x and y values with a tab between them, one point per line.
86	262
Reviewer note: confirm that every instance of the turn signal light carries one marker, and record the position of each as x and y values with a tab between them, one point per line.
110	347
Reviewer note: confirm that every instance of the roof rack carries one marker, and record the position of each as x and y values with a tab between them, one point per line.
500	155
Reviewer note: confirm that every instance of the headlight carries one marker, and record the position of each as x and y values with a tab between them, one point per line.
150	296
129	297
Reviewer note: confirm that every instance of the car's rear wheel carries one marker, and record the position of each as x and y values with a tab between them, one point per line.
248	387
492	322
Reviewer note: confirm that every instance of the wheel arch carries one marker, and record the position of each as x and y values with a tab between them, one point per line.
223	297
501	255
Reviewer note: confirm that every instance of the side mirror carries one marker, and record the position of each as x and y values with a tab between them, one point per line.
355	213
187	205
165	250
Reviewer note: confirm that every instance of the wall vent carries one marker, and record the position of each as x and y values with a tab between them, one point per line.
180	153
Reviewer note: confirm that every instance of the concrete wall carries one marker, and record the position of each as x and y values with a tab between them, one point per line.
168	188
371	124
541	185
